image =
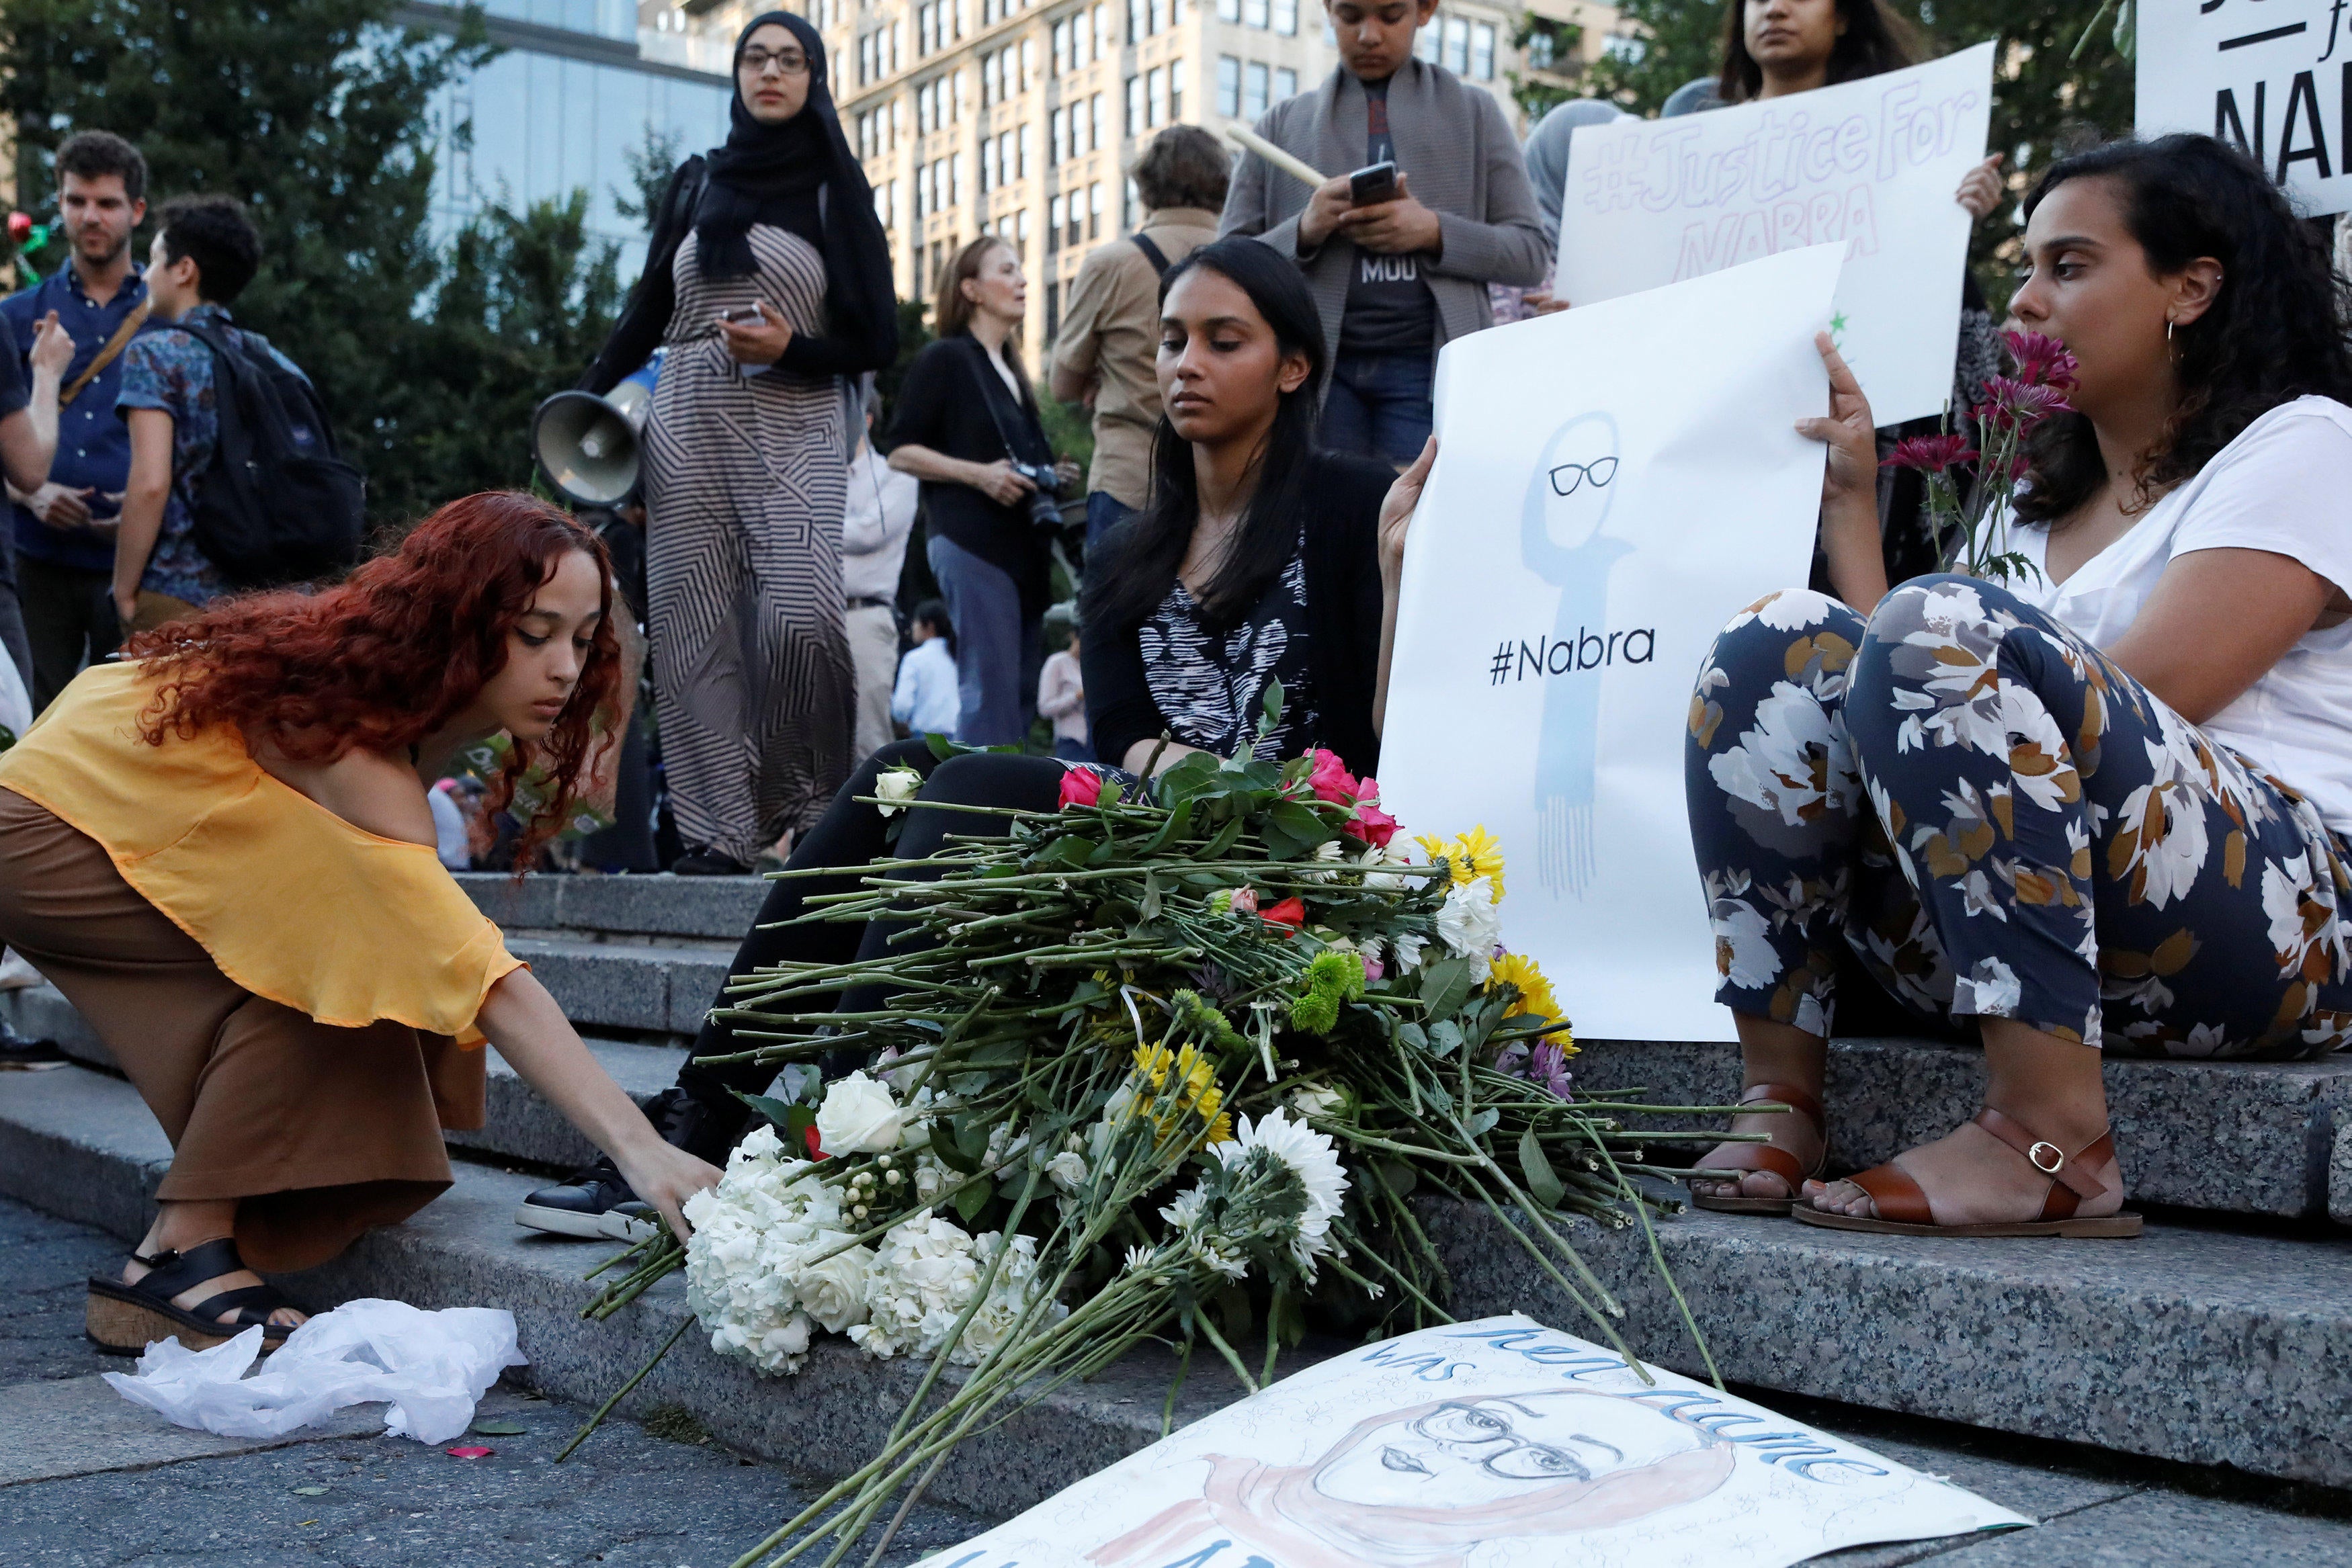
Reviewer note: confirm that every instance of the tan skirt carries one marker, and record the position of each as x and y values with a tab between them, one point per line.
317	1132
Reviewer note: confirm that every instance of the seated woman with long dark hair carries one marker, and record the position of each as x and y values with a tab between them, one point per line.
1259	559
2104	807
220	851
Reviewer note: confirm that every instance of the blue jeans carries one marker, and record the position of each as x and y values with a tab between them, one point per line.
1377	405
1105	511
997	653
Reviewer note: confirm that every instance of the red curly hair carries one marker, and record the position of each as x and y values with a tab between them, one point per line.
392	654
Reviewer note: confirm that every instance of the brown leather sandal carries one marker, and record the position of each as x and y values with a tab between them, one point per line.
1905	1205
1765	1157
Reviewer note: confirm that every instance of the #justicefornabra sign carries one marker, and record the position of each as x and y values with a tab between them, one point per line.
2273	79
1614	484
1871	164
1495	1444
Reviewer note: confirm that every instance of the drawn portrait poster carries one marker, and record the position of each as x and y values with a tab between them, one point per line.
1872	165
2273	79
1614	484
1495	1444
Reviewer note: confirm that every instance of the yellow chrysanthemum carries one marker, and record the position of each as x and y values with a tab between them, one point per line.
1536	998
1466	855
1190	1081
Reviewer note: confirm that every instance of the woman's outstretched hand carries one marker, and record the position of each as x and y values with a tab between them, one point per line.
665	1176
1396	513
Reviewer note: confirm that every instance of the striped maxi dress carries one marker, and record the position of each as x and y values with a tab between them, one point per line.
746	480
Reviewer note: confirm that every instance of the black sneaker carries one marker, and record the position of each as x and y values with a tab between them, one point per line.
18	1054
578	1207
707	861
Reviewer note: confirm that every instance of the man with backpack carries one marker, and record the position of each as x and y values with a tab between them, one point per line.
234	482
1110	336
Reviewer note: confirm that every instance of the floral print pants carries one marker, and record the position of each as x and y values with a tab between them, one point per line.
1998	821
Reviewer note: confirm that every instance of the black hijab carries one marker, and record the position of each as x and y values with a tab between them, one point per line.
765	173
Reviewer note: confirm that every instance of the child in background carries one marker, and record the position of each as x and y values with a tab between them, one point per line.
1062	697
925	699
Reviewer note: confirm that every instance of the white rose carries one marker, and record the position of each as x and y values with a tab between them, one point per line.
859	1117
834	1291
896	789
1470	925
1067	1170
1316	1101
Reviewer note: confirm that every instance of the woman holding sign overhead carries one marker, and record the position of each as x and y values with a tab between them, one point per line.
2103	805
1772	48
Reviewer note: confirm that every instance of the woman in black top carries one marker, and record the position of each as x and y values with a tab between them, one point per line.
1259	558
767	280
966	426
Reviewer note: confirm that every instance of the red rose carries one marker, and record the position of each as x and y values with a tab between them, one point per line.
1290	911
1080	787
808	1136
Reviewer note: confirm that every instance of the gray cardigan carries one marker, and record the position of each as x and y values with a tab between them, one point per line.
1465	165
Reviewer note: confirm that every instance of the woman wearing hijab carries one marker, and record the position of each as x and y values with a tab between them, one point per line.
1547	152
767	280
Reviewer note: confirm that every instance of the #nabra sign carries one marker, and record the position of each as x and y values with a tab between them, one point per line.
2271	77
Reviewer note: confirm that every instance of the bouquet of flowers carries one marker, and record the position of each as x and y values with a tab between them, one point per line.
1168	1064
2014	406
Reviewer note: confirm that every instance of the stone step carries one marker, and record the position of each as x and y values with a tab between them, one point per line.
660	989
718	907
2256	1138
2203	1346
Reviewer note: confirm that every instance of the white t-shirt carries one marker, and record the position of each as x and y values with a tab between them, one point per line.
2284	486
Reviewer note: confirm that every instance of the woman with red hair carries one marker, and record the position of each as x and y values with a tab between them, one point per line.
220	850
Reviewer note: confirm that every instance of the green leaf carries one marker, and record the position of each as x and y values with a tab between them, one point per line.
778	1111
500	1429
1292	829
1398	1176
1444	985
1227	836
972	1138
952	1154
1270	709
1412	1034
1484	1121
973	1198
1542	1180
997	1053
1149	908
1444	1038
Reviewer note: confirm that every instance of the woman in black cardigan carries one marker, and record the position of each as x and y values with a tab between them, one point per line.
1259	559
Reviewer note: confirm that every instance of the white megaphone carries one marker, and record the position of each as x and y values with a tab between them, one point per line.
587	445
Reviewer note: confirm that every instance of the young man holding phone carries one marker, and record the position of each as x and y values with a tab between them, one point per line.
1398	257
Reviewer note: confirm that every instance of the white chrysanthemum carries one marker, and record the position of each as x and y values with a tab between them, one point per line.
1307	1153
896	789
1396	852
1330	853
1408	952
1470	924
1186	1212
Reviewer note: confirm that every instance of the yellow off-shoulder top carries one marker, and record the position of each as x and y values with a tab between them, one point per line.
293	902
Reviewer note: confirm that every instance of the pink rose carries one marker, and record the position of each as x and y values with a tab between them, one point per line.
1330	780
1080	787
1244	901
1373	968
1372	824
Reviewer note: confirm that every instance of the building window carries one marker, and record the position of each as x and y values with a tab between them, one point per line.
1130	206
1104	39
1286	17
1096	118
1027	142
1028	63
1156	16
962	17
1057	145
1482	51
1425	43
1055	210
923	110
1254	14
1061	47
956	187
1457	46
1094	212
1285	84
1176	89
897	119
1134	21
1229	10
1229	84
1253	85
921	204
1134	106
1156	97
1075	232
987	166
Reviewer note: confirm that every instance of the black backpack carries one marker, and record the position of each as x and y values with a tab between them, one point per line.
276	505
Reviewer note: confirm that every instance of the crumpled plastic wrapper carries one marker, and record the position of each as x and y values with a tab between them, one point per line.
432	1366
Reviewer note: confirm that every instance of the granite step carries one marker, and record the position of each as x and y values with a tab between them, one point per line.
2204	1345
2253	1138
719	908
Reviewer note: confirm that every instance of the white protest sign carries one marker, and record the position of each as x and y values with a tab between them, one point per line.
1582	539
2274	78
1483	1445
1874	164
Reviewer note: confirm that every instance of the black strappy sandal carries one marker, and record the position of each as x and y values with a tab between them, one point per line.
124	1320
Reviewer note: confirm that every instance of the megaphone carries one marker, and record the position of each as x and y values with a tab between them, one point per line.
587	445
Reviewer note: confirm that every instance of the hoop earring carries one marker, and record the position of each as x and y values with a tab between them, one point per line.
2167	328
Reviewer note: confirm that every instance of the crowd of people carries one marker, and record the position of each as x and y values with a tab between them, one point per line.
2127	828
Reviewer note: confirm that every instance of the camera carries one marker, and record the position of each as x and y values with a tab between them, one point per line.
1044	508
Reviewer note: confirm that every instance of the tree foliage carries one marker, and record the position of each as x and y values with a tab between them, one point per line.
317	114
2046	103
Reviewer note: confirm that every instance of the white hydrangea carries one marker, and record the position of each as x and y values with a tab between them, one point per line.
750	1275
924	1277
1015	1287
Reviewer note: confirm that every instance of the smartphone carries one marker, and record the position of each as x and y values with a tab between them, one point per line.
747	316
1377	184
